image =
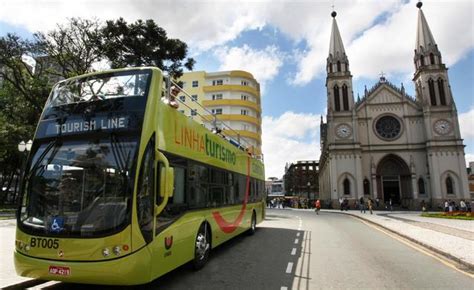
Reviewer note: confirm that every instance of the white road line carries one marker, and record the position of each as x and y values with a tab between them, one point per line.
293	252
297	241
289	268
283	288
297	234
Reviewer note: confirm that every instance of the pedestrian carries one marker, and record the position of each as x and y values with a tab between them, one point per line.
377	202
317	205
446	206
462	205
369	202
423	206
390	203
450	206
361	204
345	204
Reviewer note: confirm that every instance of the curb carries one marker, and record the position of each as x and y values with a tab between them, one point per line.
469	266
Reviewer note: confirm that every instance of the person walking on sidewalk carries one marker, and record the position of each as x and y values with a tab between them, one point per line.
369	202
361	204
317	205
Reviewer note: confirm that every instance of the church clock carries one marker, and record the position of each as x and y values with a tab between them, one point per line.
442	127
343	131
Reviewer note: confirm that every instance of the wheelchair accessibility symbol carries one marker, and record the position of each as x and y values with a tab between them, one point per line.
57	225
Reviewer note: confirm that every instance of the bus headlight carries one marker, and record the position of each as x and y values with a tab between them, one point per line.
116	250
27	248
106	252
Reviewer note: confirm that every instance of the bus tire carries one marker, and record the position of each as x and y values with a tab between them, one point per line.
253	224
202	246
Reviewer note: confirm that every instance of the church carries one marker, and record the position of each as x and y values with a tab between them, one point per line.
388	145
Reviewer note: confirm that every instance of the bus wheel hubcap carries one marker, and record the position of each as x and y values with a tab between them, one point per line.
201	246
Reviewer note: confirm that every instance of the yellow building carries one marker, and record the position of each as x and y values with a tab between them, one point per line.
233	97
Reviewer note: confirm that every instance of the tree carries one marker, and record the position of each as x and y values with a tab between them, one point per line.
143	43
71	49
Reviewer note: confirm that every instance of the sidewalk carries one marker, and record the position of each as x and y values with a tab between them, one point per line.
449	237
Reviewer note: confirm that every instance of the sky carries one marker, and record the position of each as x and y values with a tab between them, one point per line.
284	44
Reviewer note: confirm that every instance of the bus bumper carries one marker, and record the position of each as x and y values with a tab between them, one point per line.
133	269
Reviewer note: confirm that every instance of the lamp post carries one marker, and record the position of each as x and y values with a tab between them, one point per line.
23	147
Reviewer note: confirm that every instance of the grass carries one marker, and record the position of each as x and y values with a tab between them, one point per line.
456	216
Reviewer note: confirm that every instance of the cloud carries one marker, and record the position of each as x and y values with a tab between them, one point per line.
284	140
378	35
263	64
465	124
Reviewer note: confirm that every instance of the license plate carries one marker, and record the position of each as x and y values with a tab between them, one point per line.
60	271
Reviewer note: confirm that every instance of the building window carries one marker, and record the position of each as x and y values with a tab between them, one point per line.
244	83
442	95
366	187
217	83
422	60
244	112
193	112
432	59
338	66
347	186
337	102
245	127
346	66
345	98
182	98
330	67
421	186
449	185
194	97
432	92
195	84
244	97
183	85
216	111
217	97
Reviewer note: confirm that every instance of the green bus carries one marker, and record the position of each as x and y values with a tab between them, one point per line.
121	188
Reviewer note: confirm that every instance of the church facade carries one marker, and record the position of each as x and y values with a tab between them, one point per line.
388	145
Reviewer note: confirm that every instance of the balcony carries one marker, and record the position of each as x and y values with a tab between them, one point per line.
229	117
232	102
233	88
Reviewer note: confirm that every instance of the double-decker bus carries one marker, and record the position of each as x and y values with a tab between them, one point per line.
120	187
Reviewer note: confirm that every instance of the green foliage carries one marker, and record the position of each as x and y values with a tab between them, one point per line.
143	43
463	216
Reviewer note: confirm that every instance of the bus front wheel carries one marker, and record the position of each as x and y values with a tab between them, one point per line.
253	224
202	247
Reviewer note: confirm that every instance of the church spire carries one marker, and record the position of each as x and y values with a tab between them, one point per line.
424	37
339	78
336	47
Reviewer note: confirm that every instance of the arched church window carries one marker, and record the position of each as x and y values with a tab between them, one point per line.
432	58
337	102
347	186
366	187
422	60
421	186
442	95
449	185
432	92
345	98
330	67
346	67
338	66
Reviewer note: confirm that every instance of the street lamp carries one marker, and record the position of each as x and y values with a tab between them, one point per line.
25	146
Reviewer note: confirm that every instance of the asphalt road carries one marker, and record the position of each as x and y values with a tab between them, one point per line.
299	250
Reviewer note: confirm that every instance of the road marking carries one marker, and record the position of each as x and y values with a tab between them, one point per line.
416	247
289	268
297	234
283	288
293	252
297	241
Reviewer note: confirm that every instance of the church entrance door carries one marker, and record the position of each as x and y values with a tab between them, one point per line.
393	180
391	188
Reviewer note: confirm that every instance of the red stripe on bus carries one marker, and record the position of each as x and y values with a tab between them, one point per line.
229	227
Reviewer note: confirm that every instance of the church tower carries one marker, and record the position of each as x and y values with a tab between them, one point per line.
445	149
339	78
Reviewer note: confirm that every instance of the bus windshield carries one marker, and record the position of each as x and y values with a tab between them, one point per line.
100	87
79	188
